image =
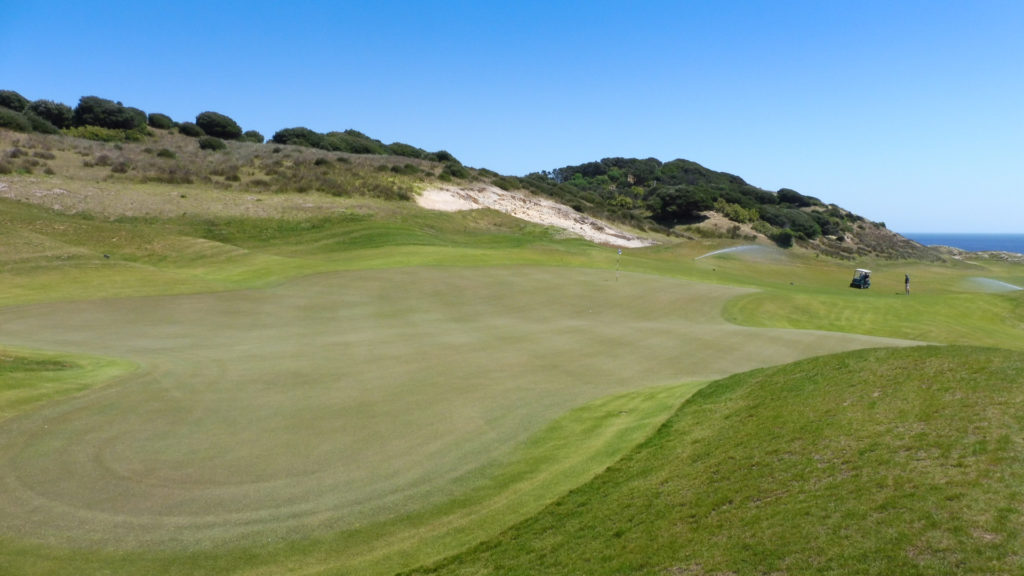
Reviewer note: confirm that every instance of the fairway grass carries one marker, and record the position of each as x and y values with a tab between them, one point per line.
321	407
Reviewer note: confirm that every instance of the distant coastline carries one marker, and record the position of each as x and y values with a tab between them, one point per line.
972	242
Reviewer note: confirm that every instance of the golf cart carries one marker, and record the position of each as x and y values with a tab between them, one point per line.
861	279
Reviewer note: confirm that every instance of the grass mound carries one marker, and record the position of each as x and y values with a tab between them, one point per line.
896	461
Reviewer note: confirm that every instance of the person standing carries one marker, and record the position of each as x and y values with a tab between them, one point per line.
906	283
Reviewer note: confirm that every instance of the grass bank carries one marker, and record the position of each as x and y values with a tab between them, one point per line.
871	462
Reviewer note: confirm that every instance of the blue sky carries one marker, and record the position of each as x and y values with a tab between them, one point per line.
911	112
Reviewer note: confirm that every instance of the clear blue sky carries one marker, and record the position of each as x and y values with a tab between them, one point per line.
911	112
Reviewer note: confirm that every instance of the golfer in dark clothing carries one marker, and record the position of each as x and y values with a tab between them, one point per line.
906	283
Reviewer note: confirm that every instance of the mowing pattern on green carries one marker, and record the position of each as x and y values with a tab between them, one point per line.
342	399
873	462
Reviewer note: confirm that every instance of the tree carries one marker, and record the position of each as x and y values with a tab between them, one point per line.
788	196
161	121
211	143
299	136
13	101
14	120
40	124
190	129
252	136
219	125
674	205
55	113
95	111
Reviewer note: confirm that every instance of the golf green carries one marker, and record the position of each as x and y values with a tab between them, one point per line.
339	400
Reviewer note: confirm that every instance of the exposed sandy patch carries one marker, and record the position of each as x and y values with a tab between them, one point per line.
530	208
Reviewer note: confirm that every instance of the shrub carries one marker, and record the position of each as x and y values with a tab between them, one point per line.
795	198
443	156
96	133
12	100
400	149
14	120
455	170
165	153
94	111
406	169
190	129
139	118
252	136
40	124
219	125
783	238
161	121
354	142
299	136
55	113
211	143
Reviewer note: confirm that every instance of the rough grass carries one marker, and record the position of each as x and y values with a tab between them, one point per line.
873	462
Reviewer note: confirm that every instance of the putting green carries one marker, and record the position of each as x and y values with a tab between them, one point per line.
339	400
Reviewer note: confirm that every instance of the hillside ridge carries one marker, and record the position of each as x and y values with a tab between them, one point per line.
675	198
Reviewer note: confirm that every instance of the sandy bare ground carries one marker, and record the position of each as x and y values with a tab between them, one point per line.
528	207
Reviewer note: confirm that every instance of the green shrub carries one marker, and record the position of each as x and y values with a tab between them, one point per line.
299	136
788	196
190	129
507	182
13	101
40	124
161	121
455	170
353	142
783	238
800	222
165	153
211	143
443	156
14	120
96	133
55	113
219	125
400	149
252	136
406	169
139	118
95	111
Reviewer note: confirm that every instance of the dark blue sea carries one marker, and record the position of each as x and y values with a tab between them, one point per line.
972	242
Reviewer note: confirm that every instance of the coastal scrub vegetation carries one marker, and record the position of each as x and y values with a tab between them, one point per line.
669	197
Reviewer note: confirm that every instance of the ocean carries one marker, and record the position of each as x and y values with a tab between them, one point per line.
972	242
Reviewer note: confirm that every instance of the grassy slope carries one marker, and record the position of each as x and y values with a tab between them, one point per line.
873	462
46	257
30	379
